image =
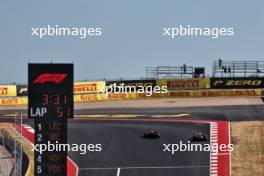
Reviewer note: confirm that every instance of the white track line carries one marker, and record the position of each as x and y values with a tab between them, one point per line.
118	172
154	167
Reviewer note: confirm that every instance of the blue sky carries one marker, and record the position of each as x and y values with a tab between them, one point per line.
132	35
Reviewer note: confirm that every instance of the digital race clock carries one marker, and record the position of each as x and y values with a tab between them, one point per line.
50	96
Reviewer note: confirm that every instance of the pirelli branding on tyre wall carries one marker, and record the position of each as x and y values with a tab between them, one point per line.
237	83
8	91
126	96
187	83
216	93
79	88
14	101
89	97
89	87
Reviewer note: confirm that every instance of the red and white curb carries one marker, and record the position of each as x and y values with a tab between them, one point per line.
214	152
28	133
220	161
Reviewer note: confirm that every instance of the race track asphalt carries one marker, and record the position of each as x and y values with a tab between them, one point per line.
224	113
124	148
126	153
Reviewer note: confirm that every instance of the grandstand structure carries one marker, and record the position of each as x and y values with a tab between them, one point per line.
238	68
221	68
169	72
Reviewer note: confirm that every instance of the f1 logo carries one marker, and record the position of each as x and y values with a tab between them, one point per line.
50	77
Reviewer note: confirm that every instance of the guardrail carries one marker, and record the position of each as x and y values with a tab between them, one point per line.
15	148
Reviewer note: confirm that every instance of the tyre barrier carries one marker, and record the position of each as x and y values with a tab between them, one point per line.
132	96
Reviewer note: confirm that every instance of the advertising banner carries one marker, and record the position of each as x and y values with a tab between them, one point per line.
186	83
8	91
216	93
13	101
22	90
85	97
89	87
120	96
89	97
79	88
8	101
237	83
131	96
153	95
22	100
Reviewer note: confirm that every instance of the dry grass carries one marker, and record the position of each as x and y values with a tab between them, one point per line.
248	154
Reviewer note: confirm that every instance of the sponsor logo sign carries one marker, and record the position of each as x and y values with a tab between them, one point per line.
89	87
85	87
178	84
9	101
3	91
120	96
216	93
79	88
180	94
8	91
88	97
237	83
187	83
22	90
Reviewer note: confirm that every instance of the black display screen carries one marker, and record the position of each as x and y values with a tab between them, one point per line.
50	94
237	83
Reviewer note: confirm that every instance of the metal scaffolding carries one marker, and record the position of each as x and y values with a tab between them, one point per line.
169	72
238	68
